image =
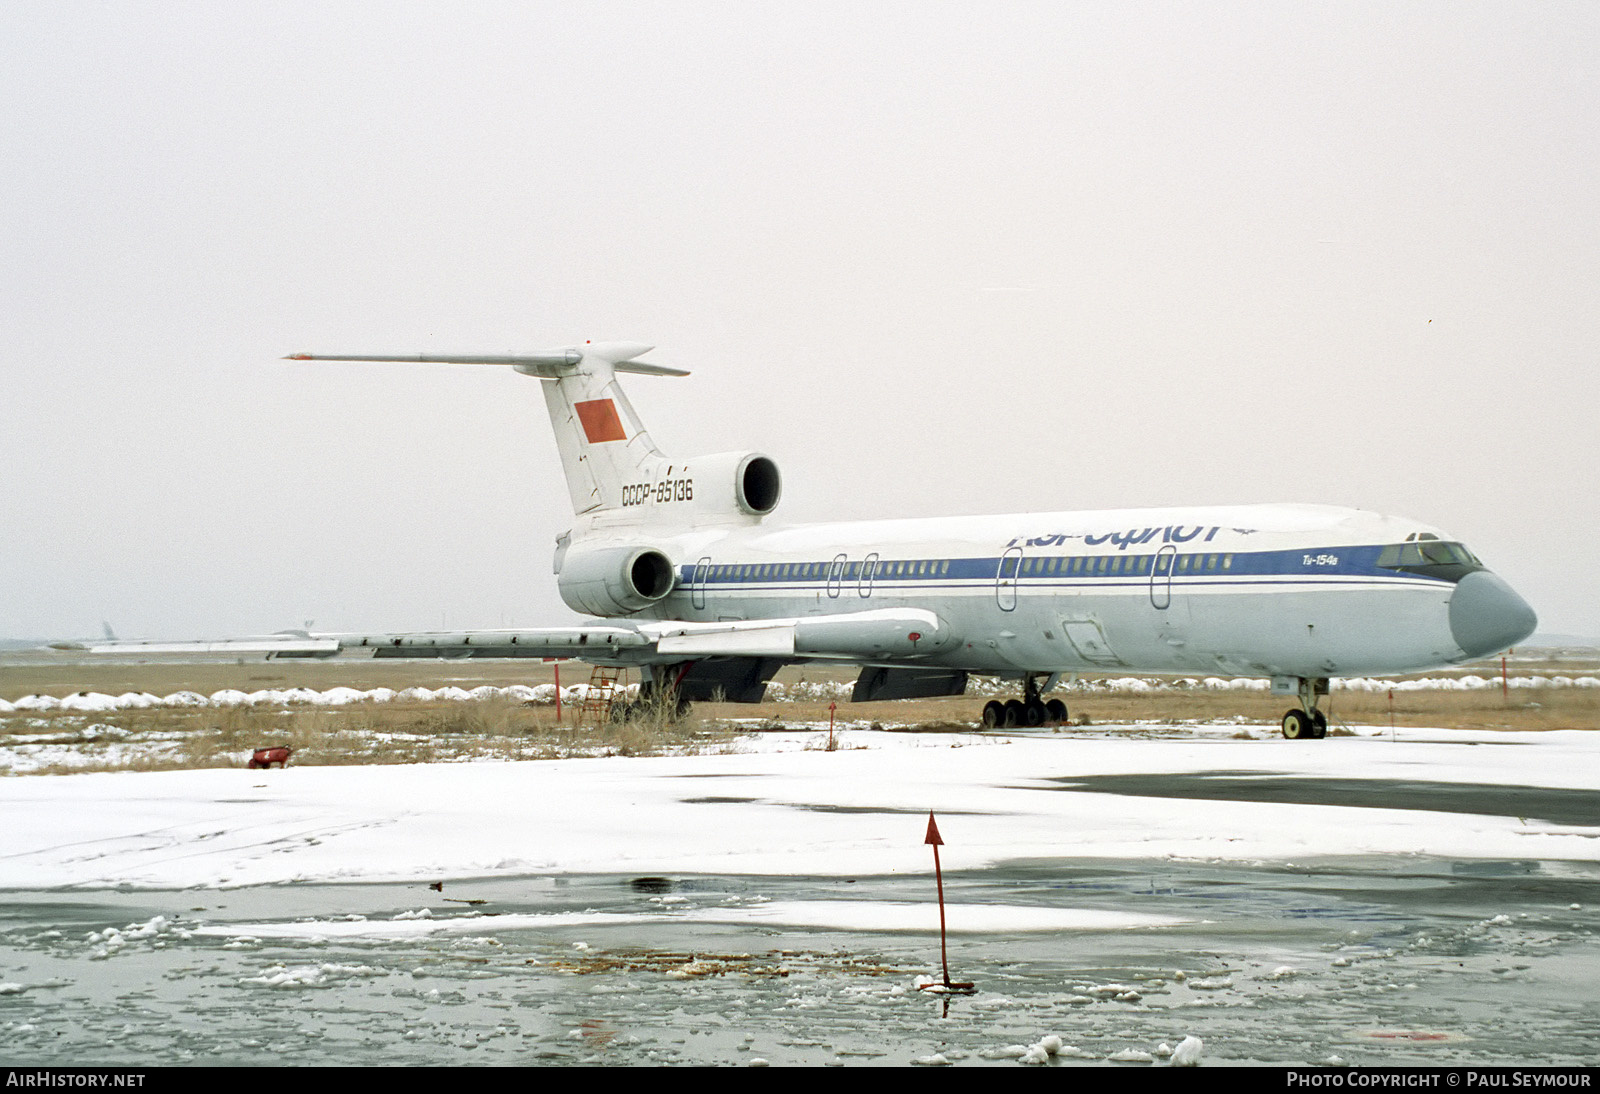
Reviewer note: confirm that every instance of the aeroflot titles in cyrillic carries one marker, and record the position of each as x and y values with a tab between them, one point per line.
1172	533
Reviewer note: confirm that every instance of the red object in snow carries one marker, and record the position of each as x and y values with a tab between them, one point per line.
266	757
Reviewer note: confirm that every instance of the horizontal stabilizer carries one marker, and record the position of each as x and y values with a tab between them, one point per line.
550	364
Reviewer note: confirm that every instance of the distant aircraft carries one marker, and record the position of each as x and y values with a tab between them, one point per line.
692	584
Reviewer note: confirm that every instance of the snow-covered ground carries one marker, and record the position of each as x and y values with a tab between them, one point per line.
778	806
774	904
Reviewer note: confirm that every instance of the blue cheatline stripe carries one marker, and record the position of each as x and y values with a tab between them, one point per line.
1069	571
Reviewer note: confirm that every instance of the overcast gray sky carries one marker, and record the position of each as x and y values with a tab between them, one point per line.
933	258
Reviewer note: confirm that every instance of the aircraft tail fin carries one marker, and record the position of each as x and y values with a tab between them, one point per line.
604	446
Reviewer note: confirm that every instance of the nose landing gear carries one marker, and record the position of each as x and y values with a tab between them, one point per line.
1307	721
1030	710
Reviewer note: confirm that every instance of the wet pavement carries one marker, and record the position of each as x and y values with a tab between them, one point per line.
1556	805
1367	962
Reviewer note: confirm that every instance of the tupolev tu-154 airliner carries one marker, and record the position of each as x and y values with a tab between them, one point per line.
692	585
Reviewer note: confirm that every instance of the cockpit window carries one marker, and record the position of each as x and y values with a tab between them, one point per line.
1433	558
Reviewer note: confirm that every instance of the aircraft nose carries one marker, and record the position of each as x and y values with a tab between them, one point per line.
1486	615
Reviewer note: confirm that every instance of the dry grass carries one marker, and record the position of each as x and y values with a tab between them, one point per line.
365	733
445	731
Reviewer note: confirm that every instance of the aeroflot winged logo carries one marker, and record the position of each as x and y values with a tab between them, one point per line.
600	421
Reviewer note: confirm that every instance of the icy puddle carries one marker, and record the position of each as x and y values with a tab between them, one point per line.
1365	962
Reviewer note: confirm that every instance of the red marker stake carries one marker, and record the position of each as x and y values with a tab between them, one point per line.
933	840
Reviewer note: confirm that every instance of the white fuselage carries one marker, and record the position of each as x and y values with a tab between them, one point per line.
676	559
1291	590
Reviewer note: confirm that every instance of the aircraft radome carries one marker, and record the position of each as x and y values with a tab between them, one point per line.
694	585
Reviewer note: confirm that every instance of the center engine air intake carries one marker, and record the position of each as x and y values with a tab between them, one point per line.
759	484
614	580
729	483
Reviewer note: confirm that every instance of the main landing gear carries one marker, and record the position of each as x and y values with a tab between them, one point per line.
1306	721
1030	710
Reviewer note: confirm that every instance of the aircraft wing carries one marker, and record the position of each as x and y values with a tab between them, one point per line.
606	642
886	635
